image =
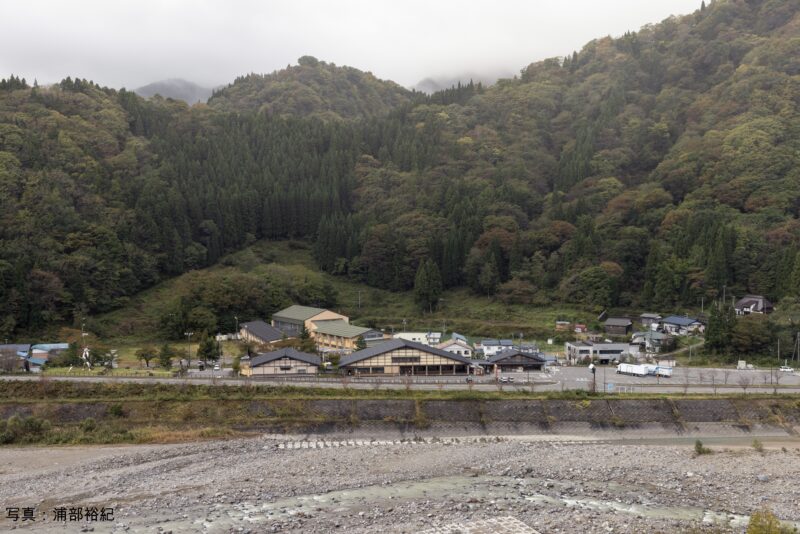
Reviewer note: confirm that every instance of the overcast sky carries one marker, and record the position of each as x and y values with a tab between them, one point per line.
124	43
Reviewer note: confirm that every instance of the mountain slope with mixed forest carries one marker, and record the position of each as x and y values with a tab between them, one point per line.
649	170
312	88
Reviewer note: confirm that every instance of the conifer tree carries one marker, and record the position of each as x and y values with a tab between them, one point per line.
427	285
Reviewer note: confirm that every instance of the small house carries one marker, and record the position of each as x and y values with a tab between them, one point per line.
681	326
491	347
753	304
457	346
648	319
562	326
618	326
426	338
651	340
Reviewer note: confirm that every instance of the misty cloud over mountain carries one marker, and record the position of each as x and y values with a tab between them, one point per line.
176	88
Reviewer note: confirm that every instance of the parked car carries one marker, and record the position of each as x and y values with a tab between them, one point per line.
786	369
506	379
470	379
216	367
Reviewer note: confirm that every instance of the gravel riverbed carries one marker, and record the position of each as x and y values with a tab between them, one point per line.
260	485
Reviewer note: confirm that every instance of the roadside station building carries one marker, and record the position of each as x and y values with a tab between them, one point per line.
287	361
403	357
515	360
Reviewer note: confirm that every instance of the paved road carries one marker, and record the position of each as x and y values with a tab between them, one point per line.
694	380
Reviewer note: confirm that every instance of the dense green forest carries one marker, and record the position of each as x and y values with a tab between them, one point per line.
312	88
649	170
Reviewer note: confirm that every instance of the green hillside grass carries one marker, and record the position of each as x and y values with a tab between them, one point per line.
290	262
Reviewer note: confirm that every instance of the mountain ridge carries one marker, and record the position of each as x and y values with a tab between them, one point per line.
657	169
312	87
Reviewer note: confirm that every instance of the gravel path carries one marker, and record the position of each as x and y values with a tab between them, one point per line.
257	485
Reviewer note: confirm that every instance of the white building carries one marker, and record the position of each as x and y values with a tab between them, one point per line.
603	352
492	347
425	338
456	346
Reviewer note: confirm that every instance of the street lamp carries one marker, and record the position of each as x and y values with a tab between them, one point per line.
237	326
594	377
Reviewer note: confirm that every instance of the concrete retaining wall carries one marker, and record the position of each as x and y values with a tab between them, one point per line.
516	415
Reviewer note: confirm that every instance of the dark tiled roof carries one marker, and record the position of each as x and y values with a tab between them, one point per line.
288	352
15	347
680	321
618	321
297	313
395	344
340	328
263	331
514	352
756	302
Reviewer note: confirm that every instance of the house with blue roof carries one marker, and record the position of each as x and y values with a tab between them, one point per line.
681	326
34	365
45	351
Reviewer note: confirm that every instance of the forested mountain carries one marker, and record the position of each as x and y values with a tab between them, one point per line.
654	169
176	88
312	87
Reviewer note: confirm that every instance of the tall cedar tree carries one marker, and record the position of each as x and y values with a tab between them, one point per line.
427	285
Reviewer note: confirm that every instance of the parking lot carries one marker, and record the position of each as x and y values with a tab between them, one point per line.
696	379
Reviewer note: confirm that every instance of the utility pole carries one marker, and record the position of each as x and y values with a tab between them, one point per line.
188	349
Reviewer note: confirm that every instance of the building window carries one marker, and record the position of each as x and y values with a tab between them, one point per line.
286	367
405	359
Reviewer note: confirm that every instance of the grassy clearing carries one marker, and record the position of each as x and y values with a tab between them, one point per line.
37	431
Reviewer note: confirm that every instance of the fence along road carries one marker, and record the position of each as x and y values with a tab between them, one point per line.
684	380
